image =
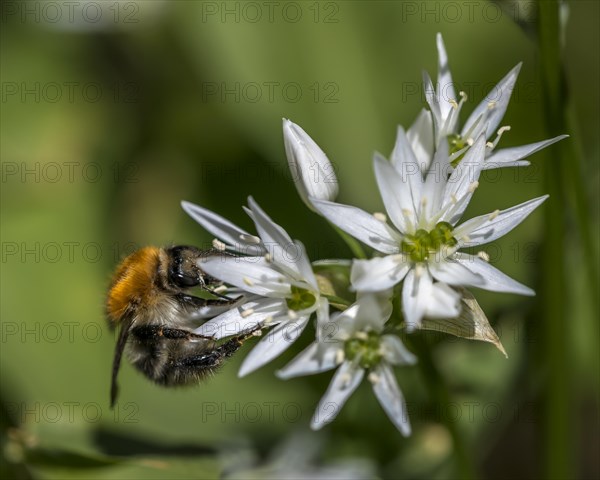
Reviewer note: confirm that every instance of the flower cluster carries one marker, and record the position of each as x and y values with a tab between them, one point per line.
426	185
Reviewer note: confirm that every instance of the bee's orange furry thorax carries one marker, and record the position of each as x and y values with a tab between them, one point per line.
132	282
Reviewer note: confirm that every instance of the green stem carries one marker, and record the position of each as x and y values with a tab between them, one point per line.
334	301
553	323
439	392
352	243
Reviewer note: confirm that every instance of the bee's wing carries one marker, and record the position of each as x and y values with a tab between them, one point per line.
121	342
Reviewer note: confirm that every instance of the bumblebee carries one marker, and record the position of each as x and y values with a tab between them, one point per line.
147	301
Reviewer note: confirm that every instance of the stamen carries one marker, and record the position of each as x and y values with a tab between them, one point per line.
361	335
491	105
246	313
339	356
473	186
419	270
453	199
493	215
499	133
249	238
292	314
373	378
463	96
380	216
248	282
454	103
257	333
219	245
220	289
470	141
483	255
268	257
267	321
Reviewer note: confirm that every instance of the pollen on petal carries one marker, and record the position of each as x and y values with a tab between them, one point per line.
345	379
248	282
373	378
473	186
220	289
380	216
246	313
339	356
491	105
219	245
494	214
269	257
292	314
483	255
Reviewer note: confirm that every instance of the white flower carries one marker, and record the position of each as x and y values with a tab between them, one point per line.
421	247
282	289
485	119
312	172
352	342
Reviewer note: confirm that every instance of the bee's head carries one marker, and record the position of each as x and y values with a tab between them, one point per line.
183	271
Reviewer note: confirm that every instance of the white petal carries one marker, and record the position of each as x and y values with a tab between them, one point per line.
275	239
500	96
487	228
445	302
312	172
436	180
395	352
446	91
405	162
235	321
252	274
374	310
390	397
459	188
303	265
453	273
211	311
434	104
397	195
494	279
273	344
345	381
361	225
420	136
500	158
378	273
223	229
316	358
416	292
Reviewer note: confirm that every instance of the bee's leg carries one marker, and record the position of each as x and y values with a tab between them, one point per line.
197	302
155	332
196	366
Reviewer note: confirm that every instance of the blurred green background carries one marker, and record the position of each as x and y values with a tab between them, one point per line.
113	112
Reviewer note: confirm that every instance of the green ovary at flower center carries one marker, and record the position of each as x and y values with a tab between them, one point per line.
365	347
301	299
455	144
423	244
